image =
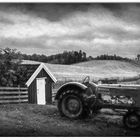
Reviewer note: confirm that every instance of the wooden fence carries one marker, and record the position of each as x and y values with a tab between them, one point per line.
54	91
9	95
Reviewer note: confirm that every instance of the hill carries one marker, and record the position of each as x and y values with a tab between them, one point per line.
96	69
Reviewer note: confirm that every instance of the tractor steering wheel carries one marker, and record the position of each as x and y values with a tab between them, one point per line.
86	79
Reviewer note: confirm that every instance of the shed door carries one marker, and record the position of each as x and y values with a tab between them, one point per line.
41	91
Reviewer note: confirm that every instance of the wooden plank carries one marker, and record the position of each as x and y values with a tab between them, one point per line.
13	88
12	97
13	92
13	101
54	90
53	97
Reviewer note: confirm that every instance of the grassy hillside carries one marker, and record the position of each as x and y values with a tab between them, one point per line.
96	69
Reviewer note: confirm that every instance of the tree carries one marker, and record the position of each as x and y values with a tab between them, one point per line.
84	58
138	56
9	67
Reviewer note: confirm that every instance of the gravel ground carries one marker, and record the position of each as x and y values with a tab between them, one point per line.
38	120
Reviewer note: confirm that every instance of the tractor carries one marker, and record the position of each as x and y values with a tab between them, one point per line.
79	99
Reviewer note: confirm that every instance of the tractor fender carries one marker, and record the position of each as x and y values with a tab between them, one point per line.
72	85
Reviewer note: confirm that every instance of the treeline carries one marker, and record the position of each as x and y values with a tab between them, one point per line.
70	57
67	57
110	57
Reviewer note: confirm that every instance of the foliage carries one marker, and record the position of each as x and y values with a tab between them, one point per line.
67	57
10	72
138	57
110	57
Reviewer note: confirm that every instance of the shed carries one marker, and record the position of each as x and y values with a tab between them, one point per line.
40	85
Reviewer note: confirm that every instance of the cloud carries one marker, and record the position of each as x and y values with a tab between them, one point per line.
28	26
94	28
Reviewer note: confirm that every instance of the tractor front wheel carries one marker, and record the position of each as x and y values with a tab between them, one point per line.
71	105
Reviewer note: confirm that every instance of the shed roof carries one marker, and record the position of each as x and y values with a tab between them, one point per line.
33	76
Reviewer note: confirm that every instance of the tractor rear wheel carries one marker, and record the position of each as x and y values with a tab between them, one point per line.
131	120
71	105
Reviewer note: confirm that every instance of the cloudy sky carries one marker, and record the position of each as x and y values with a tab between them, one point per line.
52	28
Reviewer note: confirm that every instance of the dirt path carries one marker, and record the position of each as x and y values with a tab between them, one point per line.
35	120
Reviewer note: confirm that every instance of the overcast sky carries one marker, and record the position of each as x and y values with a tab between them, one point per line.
52	28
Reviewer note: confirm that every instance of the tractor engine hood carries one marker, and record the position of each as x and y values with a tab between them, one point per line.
118	89
119	86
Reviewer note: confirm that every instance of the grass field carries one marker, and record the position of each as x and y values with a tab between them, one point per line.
39	120
96	69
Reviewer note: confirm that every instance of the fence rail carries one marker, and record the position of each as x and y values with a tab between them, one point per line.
9	95
12	88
